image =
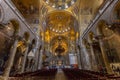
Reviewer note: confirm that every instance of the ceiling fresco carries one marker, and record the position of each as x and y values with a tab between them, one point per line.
60	4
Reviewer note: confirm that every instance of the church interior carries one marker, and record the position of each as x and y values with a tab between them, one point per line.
59	39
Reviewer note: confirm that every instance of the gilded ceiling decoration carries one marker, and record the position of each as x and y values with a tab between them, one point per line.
61	22
60	4
29	9
61	28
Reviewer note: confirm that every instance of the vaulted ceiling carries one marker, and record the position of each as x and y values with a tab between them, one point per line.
59	18
35	10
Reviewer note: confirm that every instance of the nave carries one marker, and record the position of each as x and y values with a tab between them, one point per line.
59	39
64	74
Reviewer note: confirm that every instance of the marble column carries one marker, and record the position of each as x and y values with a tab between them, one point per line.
24	58
67	59
78	57
105	58
40	59
11	59
37	58
36	55
93	60
81	58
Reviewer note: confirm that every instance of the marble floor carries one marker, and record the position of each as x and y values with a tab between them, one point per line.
60	75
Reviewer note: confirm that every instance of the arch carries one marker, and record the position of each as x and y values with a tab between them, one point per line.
33	41
103	28
26	36
68	14
101	24
115	18
32	45
16	25
115	13
64	3
57	37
